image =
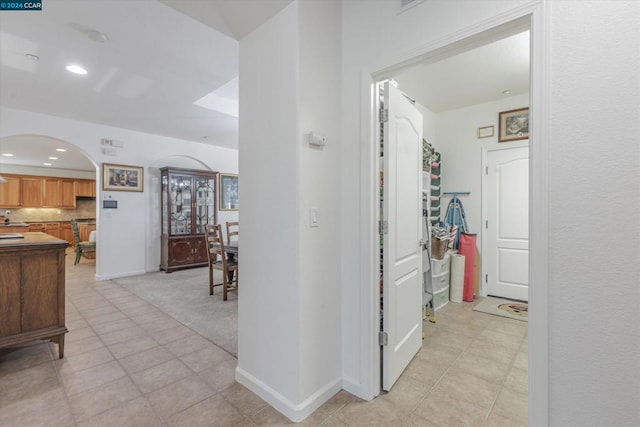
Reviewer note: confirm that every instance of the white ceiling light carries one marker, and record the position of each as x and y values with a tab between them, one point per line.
7	154
47	164
32	57
53	158
506	92
76	69
62	150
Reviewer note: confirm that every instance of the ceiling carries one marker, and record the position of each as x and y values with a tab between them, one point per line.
161	56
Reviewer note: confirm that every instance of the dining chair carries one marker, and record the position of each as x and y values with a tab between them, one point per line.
215	246
233	229
82	248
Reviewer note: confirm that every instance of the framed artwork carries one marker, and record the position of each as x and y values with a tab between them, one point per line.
228	192
486	132
122	177
513	125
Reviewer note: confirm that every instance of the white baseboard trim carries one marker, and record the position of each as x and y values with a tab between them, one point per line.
103	277
354	387
295	412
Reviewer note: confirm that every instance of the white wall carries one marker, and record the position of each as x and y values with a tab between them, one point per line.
123	234
289	305
461	152
593	110
594	201
269	294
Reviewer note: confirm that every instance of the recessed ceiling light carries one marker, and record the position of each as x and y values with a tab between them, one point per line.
53	158
76	69
62	150
32	57
7	154
47	164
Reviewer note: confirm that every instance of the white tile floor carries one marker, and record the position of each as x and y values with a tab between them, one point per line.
127	363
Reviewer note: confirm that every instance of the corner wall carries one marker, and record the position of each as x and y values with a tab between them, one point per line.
289	304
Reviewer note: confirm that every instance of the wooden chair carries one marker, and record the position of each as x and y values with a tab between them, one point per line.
215	245
82	248
233	229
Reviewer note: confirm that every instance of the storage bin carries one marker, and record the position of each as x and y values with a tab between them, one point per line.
440	281
440	299
441	265
438	248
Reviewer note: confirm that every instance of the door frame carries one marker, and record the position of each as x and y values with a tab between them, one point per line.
537	15
483	286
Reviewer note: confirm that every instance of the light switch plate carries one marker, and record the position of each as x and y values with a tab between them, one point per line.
314	217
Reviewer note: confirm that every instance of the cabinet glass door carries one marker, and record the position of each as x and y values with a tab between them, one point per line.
205	202
180	194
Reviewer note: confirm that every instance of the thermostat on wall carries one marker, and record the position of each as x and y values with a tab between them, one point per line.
109	204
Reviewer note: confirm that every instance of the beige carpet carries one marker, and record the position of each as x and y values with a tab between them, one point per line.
503	307
184	295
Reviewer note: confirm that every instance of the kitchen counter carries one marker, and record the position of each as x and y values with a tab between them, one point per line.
14	224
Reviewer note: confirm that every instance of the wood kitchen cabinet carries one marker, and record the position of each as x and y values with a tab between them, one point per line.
52	229
188	203
66	233
32	189
33	290
85	188
10	192
22	191
59	193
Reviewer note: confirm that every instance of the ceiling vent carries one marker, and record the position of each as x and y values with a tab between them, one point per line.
404	5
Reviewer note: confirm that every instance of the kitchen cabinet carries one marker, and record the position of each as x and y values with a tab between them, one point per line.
10	192
188	203
22	191
52	229
66	233
33	290
59	193
85	188
32	189
36	227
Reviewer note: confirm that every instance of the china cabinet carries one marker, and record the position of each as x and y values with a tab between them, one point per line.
188	203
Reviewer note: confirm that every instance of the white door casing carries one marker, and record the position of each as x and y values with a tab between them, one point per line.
402	252
507	223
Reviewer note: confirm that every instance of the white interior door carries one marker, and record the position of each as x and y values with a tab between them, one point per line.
402	253
507	223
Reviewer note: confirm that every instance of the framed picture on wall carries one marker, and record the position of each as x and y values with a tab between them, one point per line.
229	192
122	177
513	125
485	132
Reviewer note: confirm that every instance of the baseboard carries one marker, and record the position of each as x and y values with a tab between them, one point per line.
295	412
103	277
354	387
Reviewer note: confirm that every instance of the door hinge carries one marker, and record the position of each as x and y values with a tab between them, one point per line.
383	338
382	227
486	224
486	278
384	115
486	170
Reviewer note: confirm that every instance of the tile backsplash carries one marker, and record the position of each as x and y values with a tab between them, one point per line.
84	209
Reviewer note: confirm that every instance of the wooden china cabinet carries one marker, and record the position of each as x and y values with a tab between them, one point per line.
188	203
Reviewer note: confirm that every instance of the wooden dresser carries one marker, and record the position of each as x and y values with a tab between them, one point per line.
32	289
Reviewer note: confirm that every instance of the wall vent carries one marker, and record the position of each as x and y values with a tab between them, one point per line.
404	5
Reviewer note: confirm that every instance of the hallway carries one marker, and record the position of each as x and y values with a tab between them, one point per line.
127	363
